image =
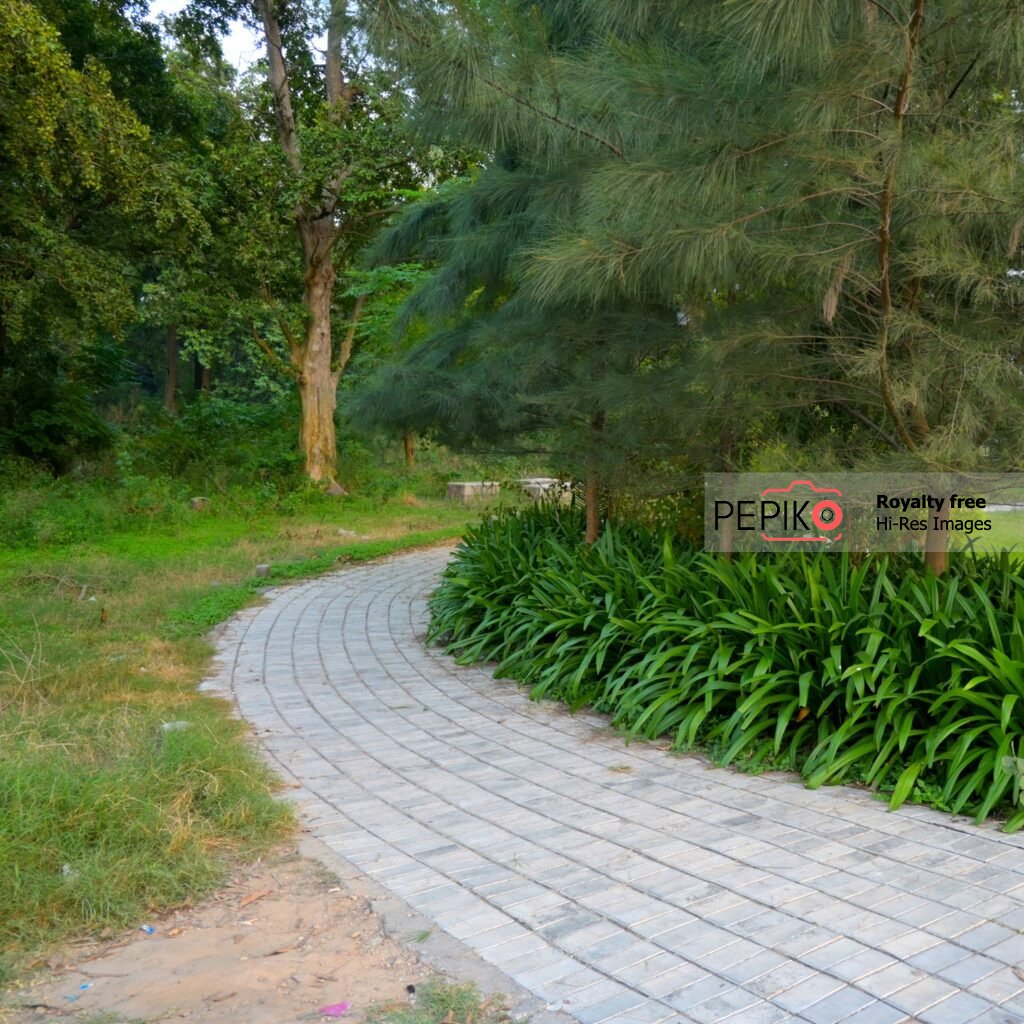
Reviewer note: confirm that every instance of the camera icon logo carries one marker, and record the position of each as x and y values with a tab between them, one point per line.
800	514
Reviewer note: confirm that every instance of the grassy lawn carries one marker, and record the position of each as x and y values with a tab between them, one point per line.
104	814
1007	534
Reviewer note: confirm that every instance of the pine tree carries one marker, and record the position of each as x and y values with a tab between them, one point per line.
858	179
501	362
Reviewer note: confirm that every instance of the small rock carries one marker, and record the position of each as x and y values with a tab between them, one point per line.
335	490
198	504
347	533
174	726
263	569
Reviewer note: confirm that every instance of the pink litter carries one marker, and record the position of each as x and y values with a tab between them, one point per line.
336	1009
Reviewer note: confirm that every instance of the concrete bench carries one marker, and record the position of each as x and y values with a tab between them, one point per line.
470	490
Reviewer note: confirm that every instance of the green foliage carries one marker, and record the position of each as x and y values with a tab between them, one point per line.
239	455
871	671
38	510
200	615
47	409
89	197
232	442
492	363
105	606
829	193
73	166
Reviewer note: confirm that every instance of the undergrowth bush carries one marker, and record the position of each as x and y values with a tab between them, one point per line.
217	441
846	669
37	509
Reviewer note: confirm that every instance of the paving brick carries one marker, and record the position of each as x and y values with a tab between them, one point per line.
999	986
921	995
645	1013
609	1008
674	980
808	992
969	970
959	1008
639	971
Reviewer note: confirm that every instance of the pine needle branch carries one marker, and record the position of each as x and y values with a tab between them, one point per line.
553	118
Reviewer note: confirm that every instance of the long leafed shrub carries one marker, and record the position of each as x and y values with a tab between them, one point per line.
847	669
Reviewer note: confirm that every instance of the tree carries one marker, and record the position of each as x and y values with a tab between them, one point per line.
313	353
859	174
79	178
341	162
499	361
848	174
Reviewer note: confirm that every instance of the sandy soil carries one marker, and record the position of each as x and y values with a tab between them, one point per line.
282	940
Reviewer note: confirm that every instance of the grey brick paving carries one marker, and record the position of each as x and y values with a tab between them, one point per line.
619	883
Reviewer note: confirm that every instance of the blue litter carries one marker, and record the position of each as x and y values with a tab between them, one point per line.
81	988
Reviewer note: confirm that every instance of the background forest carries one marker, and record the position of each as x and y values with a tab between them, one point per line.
641	240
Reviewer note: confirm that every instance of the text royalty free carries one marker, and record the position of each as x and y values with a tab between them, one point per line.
932	504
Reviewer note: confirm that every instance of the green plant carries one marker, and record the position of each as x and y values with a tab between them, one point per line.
438	1001
851	670
220	442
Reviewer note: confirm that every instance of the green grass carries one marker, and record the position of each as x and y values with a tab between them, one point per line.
1007	534
440	1002
105	817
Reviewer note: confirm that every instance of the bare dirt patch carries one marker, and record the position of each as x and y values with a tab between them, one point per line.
282	940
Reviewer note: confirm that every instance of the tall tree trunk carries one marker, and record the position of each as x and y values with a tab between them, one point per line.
409	440
206	380
313	355
593	493
936	550
318	383
171	387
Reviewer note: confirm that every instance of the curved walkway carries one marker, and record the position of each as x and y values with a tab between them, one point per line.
618	883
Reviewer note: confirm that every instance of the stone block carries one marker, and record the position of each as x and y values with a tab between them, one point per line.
539	487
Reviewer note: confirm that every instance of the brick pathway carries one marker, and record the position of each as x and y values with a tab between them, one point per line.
618	883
